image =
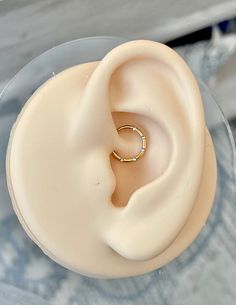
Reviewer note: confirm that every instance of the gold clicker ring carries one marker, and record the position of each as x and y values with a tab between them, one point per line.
143	144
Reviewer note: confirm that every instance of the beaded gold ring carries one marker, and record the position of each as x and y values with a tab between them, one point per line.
143	144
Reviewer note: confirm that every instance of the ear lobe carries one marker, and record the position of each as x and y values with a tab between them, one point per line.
149	80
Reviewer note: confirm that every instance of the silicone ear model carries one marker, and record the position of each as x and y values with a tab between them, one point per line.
85	208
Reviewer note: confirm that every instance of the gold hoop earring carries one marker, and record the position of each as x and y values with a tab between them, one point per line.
143	142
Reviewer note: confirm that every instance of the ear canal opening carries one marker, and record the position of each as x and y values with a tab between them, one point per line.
131	176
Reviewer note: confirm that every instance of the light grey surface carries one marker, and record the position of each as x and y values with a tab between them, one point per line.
214	61
223	84
27	27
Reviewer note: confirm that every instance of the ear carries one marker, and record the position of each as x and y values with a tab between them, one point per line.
149	81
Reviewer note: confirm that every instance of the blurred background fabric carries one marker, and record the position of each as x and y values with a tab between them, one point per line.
27	28
204	33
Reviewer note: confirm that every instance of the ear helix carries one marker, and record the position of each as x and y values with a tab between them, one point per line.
163	206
